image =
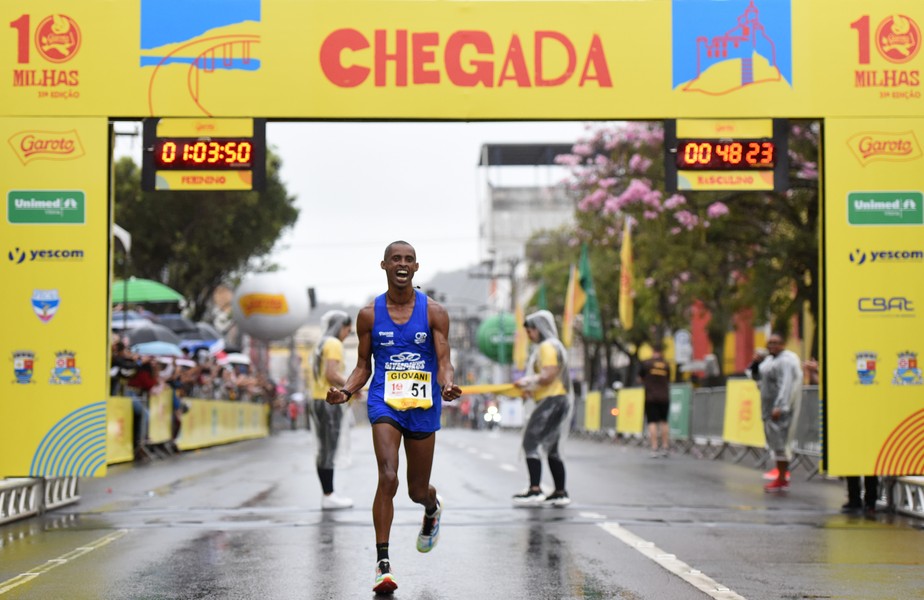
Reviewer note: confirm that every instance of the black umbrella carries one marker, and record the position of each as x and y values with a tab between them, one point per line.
151	333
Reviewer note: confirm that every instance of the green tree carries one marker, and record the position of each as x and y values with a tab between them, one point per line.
194	241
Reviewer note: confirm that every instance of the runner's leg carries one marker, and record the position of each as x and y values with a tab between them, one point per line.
419	465
385	440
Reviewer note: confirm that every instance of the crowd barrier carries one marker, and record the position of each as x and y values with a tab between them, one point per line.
708	422
726	422
206	423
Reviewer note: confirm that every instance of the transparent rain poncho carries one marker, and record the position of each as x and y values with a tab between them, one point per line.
549	422
331	422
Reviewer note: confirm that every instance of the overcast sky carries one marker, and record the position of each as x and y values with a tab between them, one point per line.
360	186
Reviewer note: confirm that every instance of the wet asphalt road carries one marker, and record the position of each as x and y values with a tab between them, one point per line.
244	521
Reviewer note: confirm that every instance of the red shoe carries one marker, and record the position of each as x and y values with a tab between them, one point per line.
776	486
774	473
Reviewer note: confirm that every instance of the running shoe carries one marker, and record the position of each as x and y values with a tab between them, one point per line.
430	530
335	502
558	499
529	498
385	582
776	486
774	473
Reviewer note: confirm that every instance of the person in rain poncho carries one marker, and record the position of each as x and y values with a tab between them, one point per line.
327	369
548	382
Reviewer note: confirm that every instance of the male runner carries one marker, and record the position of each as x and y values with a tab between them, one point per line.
407	334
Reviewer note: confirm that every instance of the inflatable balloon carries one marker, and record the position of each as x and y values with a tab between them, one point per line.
268	306
495	336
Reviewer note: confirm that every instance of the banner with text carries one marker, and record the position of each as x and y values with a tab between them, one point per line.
462	60
54	308
874	231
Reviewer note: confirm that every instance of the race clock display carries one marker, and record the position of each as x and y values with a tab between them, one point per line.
217	154
726	154
719	154
204	154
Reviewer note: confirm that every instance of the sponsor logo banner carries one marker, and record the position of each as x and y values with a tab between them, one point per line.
885	208
46	207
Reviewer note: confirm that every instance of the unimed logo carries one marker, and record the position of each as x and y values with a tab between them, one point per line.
48	145
885	208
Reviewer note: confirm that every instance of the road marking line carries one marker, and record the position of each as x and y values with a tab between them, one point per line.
506	467
28	576
694	577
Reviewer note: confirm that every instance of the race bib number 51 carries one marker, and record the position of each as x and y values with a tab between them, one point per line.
405	390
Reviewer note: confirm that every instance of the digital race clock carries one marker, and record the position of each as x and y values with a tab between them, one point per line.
718	154
204	154
220	153
726	154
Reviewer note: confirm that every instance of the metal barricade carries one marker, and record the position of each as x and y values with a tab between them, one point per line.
707	418
19	498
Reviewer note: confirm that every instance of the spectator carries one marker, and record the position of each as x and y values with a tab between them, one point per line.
656	377
780	398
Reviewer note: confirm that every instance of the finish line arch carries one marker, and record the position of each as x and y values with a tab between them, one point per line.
853	65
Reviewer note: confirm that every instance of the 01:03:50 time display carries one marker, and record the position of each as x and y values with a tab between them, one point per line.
201	154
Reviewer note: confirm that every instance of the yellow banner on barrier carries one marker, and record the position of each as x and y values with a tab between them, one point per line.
463	60
504	389
54	306
592	411
212	422
631	405
742	422
119	444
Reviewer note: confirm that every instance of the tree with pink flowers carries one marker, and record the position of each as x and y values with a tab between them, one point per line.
723	251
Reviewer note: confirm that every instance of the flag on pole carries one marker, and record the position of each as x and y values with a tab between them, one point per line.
626	277
574	303
520	339
541	301
593	323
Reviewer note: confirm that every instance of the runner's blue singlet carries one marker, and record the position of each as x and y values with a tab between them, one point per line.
405	368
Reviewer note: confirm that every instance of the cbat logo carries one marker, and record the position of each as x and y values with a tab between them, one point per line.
57	38
895	306
23	366
420	337
48	145
907	372
871	146
898	38
866	367
860	257
45	304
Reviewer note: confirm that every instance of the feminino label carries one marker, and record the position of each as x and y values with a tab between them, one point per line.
873	145
48	145
465	58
